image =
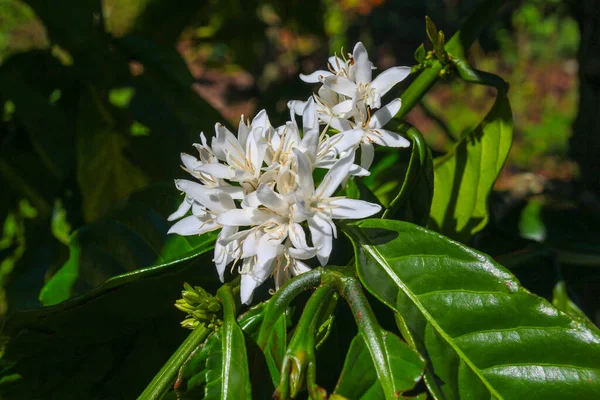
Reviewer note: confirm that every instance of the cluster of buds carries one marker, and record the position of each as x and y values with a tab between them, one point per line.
258	186
201	307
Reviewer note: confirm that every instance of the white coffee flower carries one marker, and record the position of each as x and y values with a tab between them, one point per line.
359	85
318	208
368	130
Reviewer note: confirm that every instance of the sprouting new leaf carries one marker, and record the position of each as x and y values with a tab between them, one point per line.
485	335
464	177
420	53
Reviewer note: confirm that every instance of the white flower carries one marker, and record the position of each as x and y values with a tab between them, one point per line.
359	85
318	208
368	130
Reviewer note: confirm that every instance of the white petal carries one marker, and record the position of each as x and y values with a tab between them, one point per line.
310	144
352	209
217	170
367	154
189	162
341	85
198	209
385	114
335	176
243	217
342	108
272	200
315	77
302	254
304	174
296	106
297	236
362	65
247	286
339	124
309	116
387	138
193	225
268	250
299	268
321	233
236	192
337	64
250	201
225	142
388	78
243	131
218	201
357	170
250	246
194	190
346	140
183	208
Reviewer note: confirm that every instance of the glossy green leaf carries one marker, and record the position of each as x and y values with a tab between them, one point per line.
133	238
359	380
464	177
227	374
413	202
192	374
108	343
486	335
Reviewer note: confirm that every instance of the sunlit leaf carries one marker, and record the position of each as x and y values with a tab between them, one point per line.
486	336
465	176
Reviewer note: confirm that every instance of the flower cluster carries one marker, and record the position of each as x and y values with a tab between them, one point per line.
258	186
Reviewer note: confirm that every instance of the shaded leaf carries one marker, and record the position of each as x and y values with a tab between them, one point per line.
108	343
413	202
484	333
464	177
133	237
227	374
359	380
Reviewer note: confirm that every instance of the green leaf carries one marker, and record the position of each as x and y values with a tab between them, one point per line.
131	241
108	343
486	336
46	123
359	380
104	173
420	53
431	29
413	202
464	177
192	374
227	375
561	300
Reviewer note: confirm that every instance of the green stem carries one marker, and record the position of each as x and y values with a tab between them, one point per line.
281	300
166	376
300	354
351	290
460	42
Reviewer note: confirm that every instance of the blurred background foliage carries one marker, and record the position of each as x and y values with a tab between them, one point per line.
99	98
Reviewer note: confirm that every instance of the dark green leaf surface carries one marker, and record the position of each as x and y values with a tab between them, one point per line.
413	202
464	177
485	335
227	375
359	380
107	344
133	238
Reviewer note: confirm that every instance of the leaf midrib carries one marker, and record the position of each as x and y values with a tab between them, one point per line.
381	260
